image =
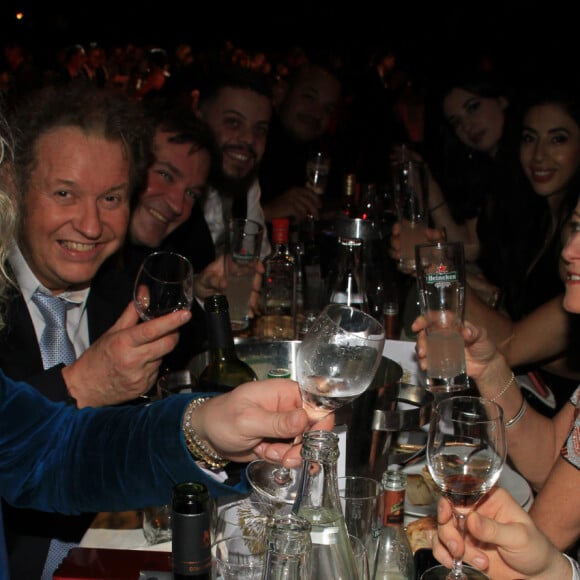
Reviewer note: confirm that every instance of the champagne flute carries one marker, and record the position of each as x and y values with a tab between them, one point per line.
164	284
335	363
466	451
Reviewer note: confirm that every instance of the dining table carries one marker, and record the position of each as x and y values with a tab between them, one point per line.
122	531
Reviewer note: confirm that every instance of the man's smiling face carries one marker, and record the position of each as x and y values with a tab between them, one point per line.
239	119
76	209
175	180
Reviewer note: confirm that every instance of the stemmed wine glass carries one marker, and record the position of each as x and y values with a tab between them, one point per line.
164	284
466	451
335	363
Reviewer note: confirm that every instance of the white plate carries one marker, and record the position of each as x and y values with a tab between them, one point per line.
509	480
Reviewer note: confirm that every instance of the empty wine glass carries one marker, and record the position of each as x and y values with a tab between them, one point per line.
164	284
335	363
466	452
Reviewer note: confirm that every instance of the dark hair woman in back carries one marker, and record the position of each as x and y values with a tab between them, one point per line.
519	231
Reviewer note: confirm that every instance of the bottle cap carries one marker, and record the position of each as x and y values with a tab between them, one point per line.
190	495
280	228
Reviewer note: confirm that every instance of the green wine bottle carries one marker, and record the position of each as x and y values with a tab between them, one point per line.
225	370
190	522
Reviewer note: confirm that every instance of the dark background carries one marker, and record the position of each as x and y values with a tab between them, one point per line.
521	36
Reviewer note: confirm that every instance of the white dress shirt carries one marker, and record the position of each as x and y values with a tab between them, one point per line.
214	216
76	318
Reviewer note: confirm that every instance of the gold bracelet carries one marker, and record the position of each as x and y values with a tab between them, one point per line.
199	448
517	417
502	392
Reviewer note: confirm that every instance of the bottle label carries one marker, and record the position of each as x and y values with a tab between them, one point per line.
191	544
391	324
393	507
442	277
244	256
326	537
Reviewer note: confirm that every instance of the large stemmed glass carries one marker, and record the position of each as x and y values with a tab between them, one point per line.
164	284
335	363
466	451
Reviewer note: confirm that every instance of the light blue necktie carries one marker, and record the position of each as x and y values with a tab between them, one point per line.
55	347
55	344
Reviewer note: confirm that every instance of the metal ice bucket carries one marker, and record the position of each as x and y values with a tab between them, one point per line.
397	437
263	356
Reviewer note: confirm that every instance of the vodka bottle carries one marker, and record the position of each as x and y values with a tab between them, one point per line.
279	288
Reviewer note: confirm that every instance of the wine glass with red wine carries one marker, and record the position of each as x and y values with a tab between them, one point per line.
466	451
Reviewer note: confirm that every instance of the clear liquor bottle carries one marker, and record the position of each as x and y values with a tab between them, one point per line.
318	501
394	558
279	287
225	370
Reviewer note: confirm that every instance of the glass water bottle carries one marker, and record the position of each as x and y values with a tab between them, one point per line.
318	501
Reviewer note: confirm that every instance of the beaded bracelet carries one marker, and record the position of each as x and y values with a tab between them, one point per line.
502	392
517	417
199	448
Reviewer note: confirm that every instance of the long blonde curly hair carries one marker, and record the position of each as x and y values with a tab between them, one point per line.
8	212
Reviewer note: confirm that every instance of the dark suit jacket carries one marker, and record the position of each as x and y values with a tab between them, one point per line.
28	532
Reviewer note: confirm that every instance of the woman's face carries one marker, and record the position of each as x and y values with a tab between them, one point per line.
477	121
571	260
549	148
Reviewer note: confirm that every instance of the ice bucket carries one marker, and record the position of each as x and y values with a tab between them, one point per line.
263	356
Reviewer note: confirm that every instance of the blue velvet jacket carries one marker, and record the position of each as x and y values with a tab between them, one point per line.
54	457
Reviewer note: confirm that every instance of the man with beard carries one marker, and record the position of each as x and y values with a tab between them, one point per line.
305	108
237	106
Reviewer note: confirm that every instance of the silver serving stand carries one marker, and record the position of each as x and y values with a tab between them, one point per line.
385	408
397	434
383	424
